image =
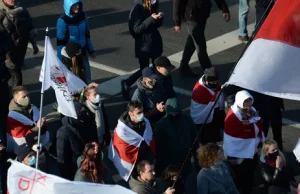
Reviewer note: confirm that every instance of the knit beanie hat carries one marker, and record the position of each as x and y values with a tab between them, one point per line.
22	151
210	74
73	49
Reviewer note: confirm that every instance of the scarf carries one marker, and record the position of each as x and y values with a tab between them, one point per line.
99	119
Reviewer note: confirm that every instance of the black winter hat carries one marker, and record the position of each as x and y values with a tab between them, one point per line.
73	49
22	151
210	74
163	61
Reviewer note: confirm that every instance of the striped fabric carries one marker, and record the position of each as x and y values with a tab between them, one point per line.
270	65
124	147
202	101
18	126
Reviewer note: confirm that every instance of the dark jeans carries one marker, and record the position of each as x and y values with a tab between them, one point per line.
144	62
244	175
275	119
17	59
195	41
260	16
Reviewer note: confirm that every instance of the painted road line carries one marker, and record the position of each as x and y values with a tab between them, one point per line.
214	46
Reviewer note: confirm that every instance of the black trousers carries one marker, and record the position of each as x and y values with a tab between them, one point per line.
244	175
275	119
144	62
17	59
195	41
260	16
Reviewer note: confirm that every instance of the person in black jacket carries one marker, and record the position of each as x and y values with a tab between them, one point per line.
144	21
6	43
71	138
17	21
163	67
195	13
278	178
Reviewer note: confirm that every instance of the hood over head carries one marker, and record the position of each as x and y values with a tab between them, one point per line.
240	98
172	106
68	4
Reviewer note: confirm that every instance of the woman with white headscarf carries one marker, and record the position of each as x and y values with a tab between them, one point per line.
243	136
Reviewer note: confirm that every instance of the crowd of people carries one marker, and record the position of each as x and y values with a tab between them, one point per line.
225	132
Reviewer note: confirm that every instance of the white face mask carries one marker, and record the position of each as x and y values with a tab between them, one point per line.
96	99
153	2
140	117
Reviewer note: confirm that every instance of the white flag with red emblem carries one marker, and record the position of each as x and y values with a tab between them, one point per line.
22	179
271	63
55	74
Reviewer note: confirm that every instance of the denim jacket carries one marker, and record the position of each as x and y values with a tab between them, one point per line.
215	180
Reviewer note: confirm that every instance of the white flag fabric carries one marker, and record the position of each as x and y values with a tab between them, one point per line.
270	65
23	179
55	74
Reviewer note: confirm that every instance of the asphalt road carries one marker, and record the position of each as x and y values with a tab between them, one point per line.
115	53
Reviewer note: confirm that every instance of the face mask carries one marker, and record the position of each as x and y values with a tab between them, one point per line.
24	102
273	155
140	117
212	86
166	72
153	2
96	99
31	161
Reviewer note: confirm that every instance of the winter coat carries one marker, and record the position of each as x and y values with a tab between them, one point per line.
107	179
216	180
195	10
72	137
174	136
272	176
91	118
149	98
18	23
145	152
73	28
166	83
144	29
139	186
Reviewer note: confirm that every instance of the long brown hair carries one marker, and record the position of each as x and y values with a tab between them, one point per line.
78	67
148	6
91	164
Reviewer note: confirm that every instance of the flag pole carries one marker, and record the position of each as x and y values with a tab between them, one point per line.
41	108
258	26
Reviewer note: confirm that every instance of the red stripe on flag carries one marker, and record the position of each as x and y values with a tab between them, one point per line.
127	152
17	129
283	23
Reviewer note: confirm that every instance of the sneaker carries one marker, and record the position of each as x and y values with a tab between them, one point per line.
244	38
125	90
188	73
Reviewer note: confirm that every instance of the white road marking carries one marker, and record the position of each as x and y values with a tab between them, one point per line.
214	46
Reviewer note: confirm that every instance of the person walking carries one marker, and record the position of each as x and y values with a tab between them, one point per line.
17	21
195	13
144	21
243	20
73	26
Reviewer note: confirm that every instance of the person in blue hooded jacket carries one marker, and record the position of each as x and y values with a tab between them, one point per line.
73	26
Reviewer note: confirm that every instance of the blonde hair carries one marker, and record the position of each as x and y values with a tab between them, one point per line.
148	6
78	68
266	146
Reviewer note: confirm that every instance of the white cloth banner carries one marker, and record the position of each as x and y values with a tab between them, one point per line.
55	74
23	179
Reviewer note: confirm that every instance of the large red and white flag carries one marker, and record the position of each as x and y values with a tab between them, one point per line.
124	147
55	74
22	179
271	64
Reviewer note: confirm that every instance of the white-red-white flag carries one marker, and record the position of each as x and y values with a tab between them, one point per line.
22	179
124	147
271	64
55	74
